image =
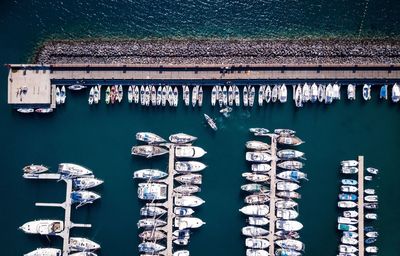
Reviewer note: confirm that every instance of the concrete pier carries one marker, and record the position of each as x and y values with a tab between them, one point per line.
169	204
361	250
272	212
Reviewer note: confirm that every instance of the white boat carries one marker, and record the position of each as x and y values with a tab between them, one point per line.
261	90
306	93
83	197
73	170
321	93
347	248
349	163
371	249
285	252
260	167
257	145
347	204
44	110
76	87
268	94
256	252
289	154
195	95
347	188
25	110
283	93
252	94
189	166
136	94
151	235
96	95
44	252
86	182
289	225
274	93
298	96
287	186
181	253
372	234
183	211
149	137
58	96
258	221
153	96
186	189
35	168
147	96
314	93
286	214
289	140
257	199
148	151
231	96
120	93
220	96
200	96
371	198
255	210
190	178
225	96
150	247
291	165
149	174
350	214
91	96
349	170
395	93
211	122
349	240
371	216
142	95
130	93
259	131
152	191
257	243
372	170
336	91
176	97
213	96
245	96
346	227
158	96
189	152
63	95
254	187
188	222
254	177
285	204
351	92
350	234
292	175
346	220
290	244
237	95
188	201
181	138
43	227
328	94
258	157
150	223
366	92
152	211
254	231
369	191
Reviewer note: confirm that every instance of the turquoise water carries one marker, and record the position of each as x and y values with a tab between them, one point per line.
100	137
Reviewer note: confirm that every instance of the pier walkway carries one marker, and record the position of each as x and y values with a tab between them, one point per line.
272	212
361	250
170	202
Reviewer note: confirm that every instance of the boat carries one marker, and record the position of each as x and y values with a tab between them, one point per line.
188	222
321	92
183	211
395	93
383	93
257	145
25	110
252	93
147	95
35	168
350	234
43	227
347	204
113	93
211	122
96	95
148	151
306	93
190	178
345	220
371	249
256	199
44	252
152	191
225	96
220	96
245	96
136	94
298	96
120	93
231	96
153	95
214	93
285	252
225	111
329	94
86	182
255	177
290	165
107	95
373	234
186	189
274	93
258	157
348	240
194	95
151	235
369	191
368	177
130	94
288	194
371	216
257	243
149	174
285	204
261	90
290	244
176	97
283	93
348	197
268	94
369	228
256	252
289	140
351	92
346	227
73	170
289	154
366	92
189	166
284	132
254	187
347	248
164	96
255	210
181	253
259	131
58	96
372	170
292	175
349	182
189	152
287	186
142	95
371	198
152	211
370	240
181	233
314	93
44	110
150	223
150	247
348	189
286	214
200	96
258	221
260	167
76	87
281	234
289	225
237	95
350	214
188	201
254	231
181	138
181	241
149	137
83	197
349	170
336	91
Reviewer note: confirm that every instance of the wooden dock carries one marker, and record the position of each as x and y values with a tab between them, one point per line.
272	212
361	250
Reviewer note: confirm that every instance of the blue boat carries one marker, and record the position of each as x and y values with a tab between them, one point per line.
344	196
383	93
83	197
370	240
349	182
346	227
369	228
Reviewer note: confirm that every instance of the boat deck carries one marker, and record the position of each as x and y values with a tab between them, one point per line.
272	212
361	250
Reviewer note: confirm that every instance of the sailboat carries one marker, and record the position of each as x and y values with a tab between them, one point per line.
91	96
395	93
367	92
351	92
136	94
58	97
211	122
274	94
186	95
153	96
237	96
267	94
130	94
314	92
96	96
194	95
283	93
225	96
231	97
213	96
245	96
200	96
261	95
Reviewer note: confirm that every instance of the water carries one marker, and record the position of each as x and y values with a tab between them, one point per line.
100	137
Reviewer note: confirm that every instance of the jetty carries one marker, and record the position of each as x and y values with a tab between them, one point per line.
169	204
272	212
360	206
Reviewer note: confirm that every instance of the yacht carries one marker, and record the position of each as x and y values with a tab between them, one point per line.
289	225
260	168
254	177
256	199
349	170
189	166
285	252
349	163
274	93
149	137
58	96
371	198
245	96
83	197
259	131
149	174
200	96
256	252
211	122
350	234
268	94
289	154
284	132
186	94
346	220
148	151
25	110
349	182
290	244
220	96
395	93
213	96
369	191
285	204
136	94
347	197
298	96
171	96
372	170
190	178
189	152
151	235
314	93
45	252
252	94
290	165
371	249
257	145
348	189
286	214
181	253
186	189
183	211
351	92
108	95
150	247
153	95
237	95
188	201
254	231
336	91
366	92
347	204
346	227
258	157
287	186
188	222
181	138
225	96
147	90
43	227
306	93
35	169
383	93
257	243
86	183
292	175
130	93
288	194
231	96
96	95
150	223
152	211
258	221
372	234
350	214
255	210
283	93
371	216
76	87
328	94
63	95
176	97
152	191
321	93
290	140
74	170
163	96
254	187
347	248
120	93
194	95
349	240
261	90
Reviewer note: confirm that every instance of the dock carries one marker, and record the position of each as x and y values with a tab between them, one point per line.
361	250
272	212
169	204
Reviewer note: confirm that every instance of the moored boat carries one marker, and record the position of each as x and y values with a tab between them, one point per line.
149	174
148	151
181	138
149	137
189	152
44	252
189	166
43	227
35	168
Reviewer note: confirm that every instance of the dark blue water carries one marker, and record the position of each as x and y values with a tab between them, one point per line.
100	137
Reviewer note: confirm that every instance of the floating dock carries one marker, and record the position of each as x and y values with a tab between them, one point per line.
169	204
361	250
272	212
